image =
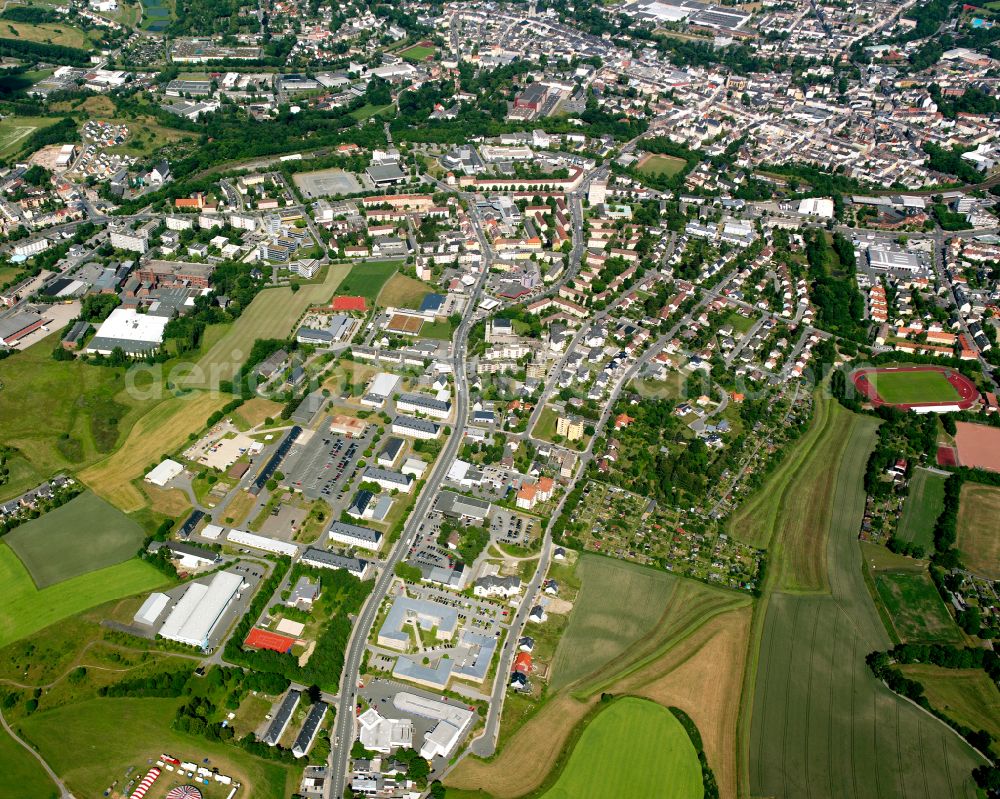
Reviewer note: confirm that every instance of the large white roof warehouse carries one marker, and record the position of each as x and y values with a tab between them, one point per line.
195	616
135	333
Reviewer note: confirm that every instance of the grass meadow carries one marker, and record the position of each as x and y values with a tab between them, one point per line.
26	609
84	743
978	510
924	504
161	431
915	608
81	536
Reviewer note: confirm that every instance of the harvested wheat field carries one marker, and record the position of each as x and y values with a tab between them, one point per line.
159	432
703	676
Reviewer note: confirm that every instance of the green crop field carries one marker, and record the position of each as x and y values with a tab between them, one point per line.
26	609
915	607
272	314
913	387
92	743
821	724
83	535
633	748
366	279
661	165
619	604
22	774
923	505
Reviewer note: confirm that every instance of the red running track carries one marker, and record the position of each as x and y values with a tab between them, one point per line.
967	392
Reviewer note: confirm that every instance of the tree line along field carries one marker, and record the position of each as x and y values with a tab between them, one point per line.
820	723
976	529
968	696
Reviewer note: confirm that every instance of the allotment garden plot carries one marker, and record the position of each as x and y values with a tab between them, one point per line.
624	525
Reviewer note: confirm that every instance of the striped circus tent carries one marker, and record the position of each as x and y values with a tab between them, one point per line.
184	792
146	784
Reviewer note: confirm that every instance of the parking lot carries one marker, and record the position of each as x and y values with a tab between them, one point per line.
323	467
508	527
326	183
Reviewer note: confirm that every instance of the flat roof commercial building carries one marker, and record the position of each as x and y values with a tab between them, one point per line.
458	506
195	616
889	258
134	333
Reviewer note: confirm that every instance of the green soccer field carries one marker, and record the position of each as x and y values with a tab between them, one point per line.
906	388
633	748
367	278
83	535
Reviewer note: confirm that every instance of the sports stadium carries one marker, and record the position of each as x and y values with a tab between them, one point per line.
923	389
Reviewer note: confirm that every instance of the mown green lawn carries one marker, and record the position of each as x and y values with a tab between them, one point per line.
634	748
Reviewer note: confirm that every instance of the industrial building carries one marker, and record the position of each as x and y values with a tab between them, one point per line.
134	333
195	617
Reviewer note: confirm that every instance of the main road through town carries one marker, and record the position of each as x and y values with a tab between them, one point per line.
345	723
